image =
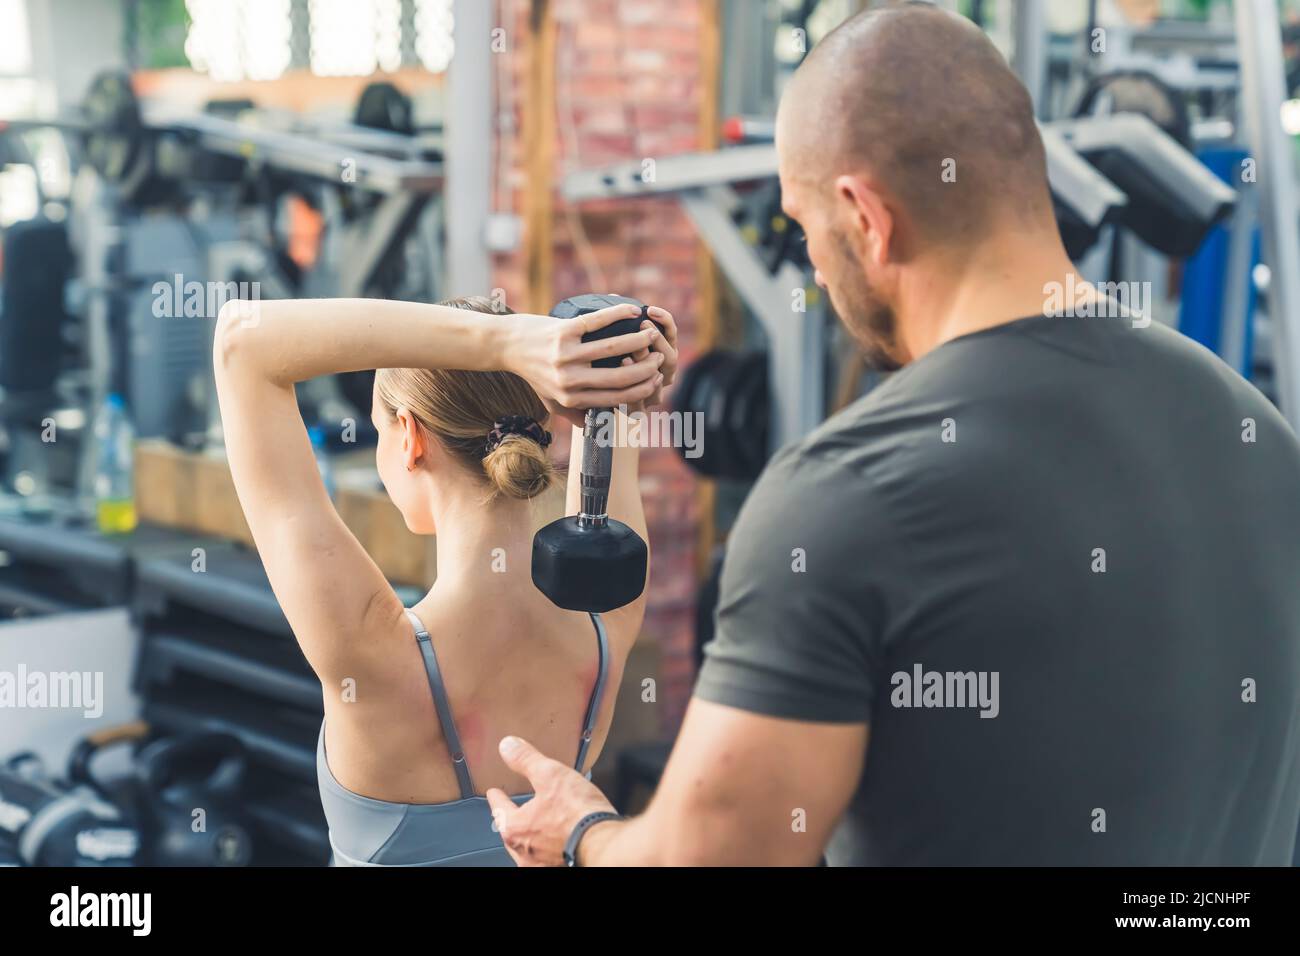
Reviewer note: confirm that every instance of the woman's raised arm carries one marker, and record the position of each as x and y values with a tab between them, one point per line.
337	601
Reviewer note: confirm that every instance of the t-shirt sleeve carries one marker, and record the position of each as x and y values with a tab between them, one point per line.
802	610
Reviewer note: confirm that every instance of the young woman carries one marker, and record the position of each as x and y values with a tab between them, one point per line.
416	701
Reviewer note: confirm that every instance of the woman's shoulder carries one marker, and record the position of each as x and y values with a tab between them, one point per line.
506	615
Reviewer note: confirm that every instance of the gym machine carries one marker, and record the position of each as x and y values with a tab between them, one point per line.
196	199
1173	199
1235	78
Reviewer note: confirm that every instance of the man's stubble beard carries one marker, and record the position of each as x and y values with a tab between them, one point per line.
868	318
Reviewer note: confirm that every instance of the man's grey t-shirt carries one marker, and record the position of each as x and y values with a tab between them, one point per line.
1088	532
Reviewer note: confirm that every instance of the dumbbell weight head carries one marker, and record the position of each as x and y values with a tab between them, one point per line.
578	305
583	568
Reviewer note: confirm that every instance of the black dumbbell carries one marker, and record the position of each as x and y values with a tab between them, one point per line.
589	561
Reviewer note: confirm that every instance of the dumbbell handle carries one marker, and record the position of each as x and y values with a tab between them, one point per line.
597	462
598	426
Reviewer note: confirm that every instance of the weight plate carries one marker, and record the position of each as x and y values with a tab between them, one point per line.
689	399
724	381
748	414
1139	91
114	140
728	391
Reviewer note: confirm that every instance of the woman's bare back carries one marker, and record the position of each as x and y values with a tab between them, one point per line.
511	665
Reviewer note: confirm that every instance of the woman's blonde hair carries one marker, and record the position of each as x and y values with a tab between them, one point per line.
459	409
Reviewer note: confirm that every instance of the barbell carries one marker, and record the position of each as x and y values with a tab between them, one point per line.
122	148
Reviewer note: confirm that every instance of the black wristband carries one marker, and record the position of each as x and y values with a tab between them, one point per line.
583	825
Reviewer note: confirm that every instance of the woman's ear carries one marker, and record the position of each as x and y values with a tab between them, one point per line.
413	447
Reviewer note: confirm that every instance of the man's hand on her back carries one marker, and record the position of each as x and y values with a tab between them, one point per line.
535	833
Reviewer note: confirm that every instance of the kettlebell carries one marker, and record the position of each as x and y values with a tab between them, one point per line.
191	788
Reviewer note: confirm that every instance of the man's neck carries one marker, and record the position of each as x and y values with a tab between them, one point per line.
954	293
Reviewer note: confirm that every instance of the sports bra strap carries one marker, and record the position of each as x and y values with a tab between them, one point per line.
439	691
597	692
440	703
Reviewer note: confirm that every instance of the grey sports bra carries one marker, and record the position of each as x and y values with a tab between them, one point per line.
368	832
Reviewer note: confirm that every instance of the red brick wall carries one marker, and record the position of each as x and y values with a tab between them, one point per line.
628	87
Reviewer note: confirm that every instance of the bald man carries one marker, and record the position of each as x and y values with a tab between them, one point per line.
1033	600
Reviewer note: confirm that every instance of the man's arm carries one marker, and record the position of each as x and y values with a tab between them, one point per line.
740	789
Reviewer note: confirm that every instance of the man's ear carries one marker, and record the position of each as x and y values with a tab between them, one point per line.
871	215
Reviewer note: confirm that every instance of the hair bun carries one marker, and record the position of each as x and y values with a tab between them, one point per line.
517	466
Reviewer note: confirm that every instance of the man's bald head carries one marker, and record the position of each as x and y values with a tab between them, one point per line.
903	95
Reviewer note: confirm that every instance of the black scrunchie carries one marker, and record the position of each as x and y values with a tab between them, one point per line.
516	425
